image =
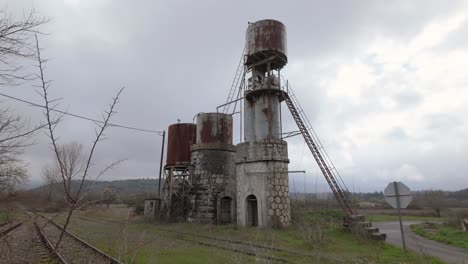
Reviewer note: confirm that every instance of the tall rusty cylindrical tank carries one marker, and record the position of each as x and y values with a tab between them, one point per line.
262	117
214	128
265	39
179	140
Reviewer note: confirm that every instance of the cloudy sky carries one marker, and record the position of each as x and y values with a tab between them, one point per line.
384	83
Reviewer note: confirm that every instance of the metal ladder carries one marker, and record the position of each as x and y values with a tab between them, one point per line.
320	156
236	85
354	222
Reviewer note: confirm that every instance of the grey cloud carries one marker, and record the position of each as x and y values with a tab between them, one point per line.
441	121
397	134
407	99
178	58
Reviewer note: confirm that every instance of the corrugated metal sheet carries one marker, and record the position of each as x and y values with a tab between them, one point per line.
179	140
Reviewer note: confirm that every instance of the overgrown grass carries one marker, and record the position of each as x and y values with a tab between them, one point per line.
385	218
139	242
442	233
348	246
324	215
3	217
6	216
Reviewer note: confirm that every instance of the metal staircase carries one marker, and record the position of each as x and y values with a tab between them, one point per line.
352	220
236	85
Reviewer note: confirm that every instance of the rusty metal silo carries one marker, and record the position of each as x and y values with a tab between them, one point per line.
214	128
266	55
266	39
214	170
179	140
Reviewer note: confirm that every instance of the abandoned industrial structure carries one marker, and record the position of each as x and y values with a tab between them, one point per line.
208	179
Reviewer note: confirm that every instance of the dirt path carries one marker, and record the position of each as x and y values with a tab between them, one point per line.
420	244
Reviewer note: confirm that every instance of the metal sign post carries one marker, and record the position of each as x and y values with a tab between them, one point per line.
399	215
398	196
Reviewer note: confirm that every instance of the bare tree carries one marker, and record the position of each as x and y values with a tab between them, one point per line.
109	195
50	175
434	200
12	173
68	161
17	43
14	137
71	158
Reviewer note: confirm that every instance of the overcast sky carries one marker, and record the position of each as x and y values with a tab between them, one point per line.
384	83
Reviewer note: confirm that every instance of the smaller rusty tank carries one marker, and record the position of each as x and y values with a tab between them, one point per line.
214	128
179	140
266	39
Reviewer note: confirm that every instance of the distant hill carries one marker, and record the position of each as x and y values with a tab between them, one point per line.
459	195
141	186
122	187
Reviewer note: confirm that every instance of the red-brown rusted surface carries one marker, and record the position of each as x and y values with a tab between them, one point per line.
264	39
179	140
214	128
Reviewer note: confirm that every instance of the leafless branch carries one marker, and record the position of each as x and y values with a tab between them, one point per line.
14	137
99	136
101	173
51	123
16	35
68	156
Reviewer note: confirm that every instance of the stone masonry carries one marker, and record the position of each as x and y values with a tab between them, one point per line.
278	196
213	179
262	171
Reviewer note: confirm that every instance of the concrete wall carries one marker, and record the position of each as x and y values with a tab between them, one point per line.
262	170
213	179
262	117
151	211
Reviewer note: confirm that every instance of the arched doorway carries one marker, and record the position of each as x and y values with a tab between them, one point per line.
252	211
226	211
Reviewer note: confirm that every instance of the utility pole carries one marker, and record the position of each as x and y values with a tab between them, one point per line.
161	165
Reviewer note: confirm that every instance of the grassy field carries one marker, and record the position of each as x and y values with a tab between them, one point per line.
384	218
3	216
135	241
7	214
442	233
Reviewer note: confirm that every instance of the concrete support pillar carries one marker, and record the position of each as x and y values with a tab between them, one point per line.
262	174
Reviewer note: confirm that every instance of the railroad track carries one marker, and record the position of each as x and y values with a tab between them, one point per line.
72	249
251	249
8	226
19	243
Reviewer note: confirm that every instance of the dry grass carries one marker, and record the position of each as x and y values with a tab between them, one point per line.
138	242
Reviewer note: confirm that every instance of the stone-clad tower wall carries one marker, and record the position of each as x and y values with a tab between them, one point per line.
262	171
213	182
262	160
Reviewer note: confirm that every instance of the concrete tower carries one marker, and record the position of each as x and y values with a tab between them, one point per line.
213	190
262	160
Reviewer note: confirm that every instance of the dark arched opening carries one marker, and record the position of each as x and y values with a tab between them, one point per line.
252	211
226	210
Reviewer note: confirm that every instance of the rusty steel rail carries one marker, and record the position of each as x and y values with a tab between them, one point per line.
5	223
49	245
111	260
4	232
